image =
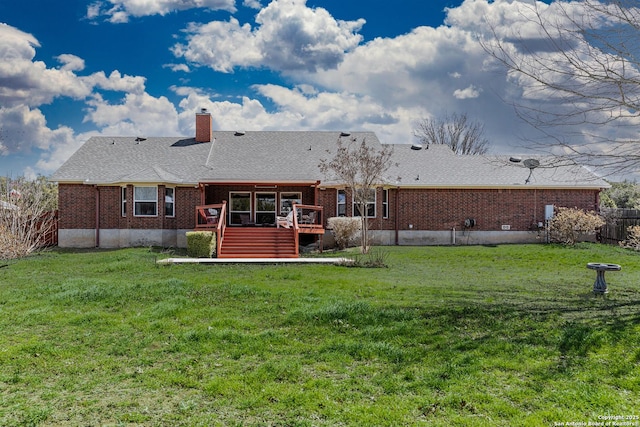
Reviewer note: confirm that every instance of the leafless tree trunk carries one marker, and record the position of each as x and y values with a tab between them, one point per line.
456	131
578	65
360	167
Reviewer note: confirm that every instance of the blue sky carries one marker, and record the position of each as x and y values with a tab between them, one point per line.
72	69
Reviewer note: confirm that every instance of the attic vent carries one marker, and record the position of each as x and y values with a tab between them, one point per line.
416	146
345	133
240	133
140	139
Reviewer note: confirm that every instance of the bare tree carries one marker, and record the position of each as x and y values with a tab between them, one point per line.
579	66
361	168
462	135
26	215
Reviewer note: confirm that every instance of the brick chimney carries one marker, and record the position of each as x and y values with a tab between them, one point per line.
204	131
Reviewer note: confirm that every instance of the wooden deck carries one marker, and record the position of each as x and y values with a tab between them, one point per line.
280	241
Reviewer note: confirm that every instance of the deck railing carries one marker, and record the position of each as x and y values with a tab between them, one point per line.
307	219
212	217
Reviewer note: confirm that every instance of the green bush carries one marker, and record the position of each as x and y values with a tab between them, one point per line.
201	244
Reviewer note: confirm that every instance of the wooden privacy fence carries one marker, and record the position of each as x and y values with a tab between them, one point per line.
49	227
618	220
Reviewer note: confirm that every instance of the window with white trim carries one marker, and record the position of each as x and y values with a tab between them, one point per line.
341	203
124	201
370	203
145	201
385	203
287	200
169	202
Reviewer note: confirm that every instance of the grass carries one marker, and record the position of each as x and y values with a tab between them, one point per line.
479	336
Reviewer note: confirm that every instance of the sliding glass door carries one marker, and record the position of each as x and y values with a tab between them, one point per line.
240	208
266	208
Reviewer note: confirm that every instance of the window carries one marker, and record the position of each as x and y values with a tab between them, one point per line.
145	201
370	201
287	200
385	203
124	201
169	202
342	203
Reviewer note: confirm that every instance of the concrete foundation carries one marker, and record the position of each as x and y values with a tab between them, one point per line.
116	238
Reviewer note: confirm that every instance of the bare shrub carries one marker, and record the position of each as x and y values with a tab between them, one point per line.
569	225
27	216
345	230
633	238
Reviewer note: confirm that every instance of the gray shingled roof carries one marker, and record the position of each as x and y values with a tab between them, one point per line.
293	157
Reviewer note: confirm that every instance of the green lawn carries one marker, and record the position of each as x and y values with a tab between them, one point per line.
478	336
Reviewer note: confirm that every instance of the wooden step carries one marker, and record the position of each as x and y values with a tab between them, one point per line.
258	242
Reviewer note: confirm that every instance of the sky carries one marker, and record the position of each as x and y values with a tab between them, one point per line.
74	69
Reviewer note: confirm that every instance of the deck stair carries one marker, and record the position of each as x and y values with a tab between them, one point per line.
258	242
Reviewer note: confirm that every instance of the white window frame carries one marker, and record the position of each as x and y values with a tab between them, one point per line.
369	203
137	200
343	203
289	196
233	212
123	200
385	203
172	214
256	197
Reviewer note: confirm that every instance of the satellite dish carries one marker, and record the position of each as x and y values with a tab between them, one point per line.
531	164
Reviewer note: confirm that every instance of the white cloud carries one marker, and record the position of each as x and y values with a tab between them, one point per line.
292	36
23	129
120	11
466	93
253	4
24	81
116	82
70	62
289	36
137	114
178	67
220	45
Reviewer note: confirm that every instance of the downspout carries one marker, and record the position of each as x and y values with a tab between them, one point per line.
97	216
397	225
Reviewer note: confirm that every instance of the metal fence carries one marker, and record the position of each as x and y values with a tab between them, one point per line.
618	220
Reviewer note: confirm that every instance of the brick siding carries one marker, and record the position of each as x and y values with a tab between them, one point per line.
77	206
424	209
443	209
